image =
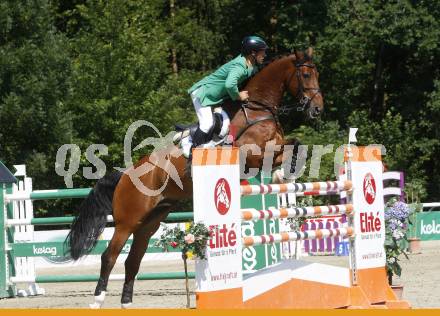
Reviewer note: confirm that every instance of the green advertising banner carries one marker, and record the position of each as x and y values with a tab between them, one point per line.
428	225
261	256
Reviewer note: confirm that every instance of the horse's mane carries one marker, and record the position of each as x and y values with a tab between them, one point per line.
273	59
303	57
264	65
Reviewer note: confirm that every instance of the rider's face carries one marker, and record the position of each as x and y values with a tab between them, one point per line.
259	56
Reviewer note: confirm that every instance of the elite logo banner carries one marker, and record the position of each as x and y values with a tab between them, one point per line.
222	196
369	188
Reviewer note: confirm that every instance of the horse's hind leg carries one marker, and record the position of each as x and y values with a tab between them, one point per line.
132	263
141	237
108	259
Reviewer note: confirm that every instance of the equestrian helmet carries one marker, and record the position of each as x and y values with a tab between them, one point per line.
252	44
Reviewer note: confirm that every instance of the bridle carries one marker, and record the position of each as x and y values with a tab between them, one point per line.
304	100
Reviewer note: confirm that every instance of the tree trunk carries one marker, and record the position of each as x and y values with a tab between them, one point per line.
273	25
173	50
377	108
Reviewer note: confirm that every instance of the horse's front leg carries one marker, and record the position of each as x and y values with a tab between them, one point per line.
287	157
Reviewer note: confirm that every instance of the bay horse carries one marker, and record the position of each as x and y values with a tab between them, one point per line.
140	214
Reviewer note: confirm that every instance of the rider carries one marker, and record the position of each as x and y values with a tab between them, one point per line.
223	84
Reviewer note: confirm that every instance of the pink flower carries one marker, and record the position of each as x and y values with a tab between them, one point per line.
189	239
174	244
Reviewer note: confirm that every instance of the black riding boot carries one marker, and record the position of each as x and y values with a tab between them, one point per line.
199	138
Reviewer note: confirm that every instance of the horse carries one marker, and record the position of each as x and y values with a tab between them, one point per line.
140	214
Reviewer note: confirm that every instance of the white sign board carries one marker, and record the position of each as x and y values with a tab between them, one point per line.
216	190
369	219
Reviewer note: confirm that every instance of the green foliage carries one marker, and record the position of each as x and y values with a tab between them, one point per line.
379	55
329	136
34	85
402	150
116	64
414	191
192	36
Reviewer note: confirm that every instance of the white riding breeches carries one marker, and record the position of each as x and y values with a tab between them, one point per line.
204	113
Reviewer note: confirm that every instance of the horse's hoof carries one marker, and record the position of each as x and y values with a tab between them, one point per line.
95	306
99	300
125	305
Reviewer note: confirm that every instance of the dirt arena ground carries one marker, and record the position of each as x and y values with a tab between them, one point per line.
420	277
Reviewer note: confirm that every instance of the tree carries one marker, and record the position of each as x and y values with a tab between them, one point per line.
34	85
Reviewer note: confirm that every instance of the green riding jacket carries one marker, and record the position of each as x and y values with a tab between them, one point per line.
224	82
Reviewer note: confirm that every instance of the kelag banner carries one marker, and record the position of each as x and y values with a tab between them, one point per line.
428	225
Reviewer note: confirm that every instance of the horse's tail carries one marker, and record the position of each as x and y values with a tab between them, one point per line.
92	218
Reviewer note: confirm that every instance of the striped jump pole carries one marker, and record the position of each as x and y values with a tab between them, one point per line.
295	187
319	193
249	241
290	212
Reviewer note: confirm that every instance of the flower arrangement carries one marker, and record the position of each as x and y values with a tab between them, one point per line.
397	221
192	243
193	240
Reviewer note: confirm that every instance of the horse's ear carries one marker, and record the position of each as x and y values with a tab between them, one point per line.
309	52
299	55
295	53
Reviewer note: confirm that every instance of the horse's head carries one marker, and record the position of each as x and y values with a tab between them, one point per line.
303	83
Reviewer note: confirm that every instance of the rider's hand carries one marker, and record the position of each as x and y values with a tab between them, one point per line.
243	96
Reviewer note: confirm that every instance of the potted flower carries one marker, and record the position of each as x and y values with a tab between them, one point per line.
192	243
413	191
397	222
414	246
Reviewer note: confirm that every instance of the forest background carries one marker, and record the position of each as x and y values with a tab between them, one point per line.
81	71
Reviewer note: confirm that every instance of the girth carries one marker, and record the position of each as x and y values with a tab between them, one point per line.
272	116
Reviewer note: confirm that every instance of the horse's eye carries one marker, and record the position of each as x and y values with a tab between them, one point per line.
306	75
